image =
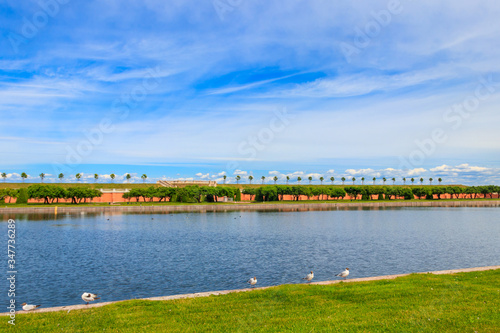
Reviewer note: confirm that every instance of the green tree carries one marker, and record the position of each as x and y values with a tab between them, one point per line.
392	192
381	194
393	181
238	179
39	192
384	180
287	179
421	192
321	179
310	179
343	180
318	191
3	194
164	193
4	176
353	191
412	180
237	195
299	179
470	191
224	177
78	176
430	181
79	194
61	176
421	181
144	177
440	180
407	193
337	193
374	179
112	176
353	180
128	176
42	176
275	179
22	196
404	181
250	178
332	179
306	190
263	178
24	176
439	191
363	181
12	193
267	193
96	176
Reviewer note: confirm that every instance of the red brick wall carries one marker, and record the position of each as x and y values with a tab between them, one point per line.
117	197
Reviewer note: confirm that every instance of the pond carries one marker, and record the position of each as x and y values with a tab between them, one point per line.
126	256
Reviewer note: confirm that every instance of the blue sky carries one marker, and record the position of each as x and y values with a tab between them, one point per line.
201	89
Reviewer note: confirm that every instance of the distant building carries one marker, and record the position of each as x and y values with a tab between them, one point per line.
182	183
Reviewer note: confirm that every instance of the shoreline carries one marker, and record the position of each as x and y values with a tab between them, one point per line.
251	207
69	308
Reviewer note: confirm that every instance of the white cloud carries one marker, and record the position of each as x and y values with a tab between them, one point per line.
240	173
364	172
462	168
416	172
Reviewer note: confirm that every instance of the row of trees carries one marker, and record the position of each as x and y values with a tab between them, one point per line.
78	176
193	193
277	192
50	193
332	179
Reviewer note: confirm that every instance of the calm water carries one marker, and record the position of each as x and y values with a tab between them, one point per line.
145	255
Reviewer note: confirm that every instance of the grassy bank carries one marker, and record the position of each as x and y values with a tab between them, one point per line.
464	302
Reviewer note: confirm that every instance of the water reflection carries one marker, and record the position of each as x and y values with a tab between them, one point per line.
129	255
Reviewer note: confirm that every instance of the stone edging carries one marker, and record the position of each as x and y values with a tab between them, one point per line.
252	206
225	292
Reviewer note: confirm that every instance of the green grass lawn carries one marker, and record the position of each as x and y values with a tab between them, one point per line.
465	302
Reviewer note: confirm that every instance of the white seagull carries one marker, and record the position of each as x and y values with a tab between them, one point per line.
253	281
88	297
29	307
344	274
309	276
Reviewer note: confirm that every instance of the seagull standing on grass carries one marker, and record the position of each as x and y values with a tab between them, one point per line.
253	281
29	307
344	274
89	297
309	277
